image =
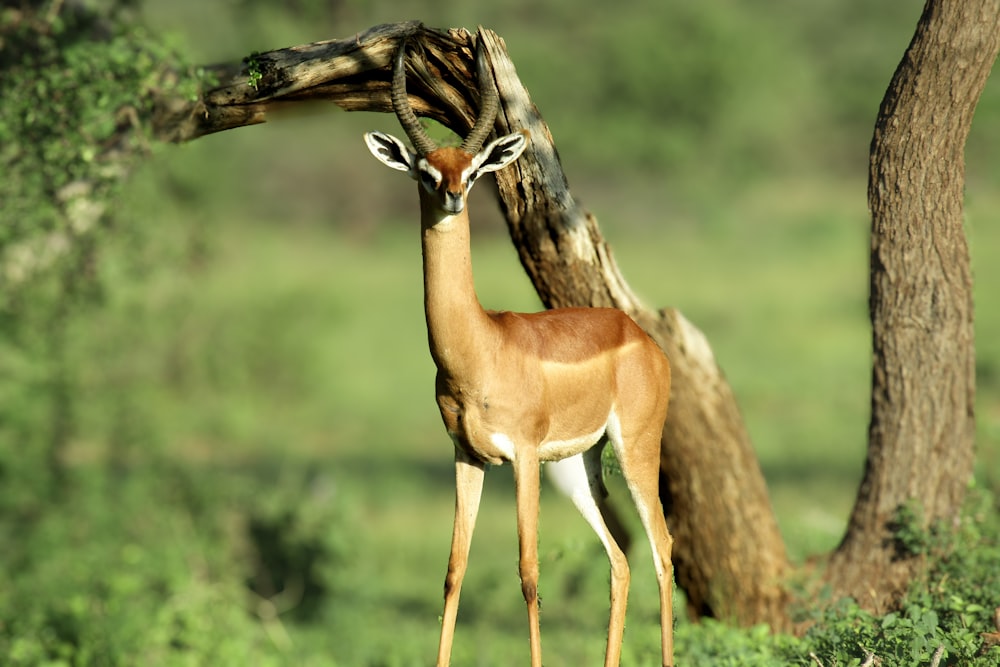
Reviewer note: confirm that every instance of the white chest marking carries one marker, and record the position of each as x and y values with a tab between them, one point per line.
504	444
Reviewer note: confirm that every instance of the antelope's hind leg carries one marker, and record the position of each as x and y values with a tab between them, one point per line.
580	478
640	465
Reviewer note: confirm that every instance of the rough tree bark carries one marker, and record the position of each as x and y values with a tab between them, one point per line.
729	555
921	435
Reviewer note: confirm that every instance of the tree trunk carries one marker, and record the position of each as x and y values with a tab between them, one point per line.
729	555
921	435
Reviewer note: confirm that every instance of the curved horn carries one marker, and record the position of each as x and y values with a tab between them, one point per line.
489	104
401	105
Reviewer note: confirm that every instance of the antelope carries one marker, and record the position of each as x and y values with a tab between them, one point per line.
553	387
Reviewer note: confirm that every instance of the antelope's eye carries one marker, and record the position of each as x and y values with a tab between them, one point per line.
428	181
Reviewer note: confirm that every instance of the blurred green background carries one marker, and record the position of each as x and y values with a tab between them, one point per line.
243	415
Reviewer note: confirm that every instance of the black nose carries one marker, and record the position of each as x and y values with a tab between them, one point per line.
453	202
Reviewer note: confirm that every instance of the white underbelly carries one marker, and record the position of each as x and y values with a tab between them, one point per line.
557	450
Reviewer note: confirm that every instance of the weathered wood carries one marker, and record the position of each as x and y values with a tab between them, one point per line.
730	556
353	73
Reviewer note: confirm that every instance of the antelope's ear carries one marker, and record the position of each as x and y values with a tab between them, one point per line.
498	154
391	152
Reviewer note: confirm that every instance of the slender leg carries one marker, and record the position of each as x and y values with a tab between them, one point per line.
526	481
469	475
614	522
580	478
659	537
642	476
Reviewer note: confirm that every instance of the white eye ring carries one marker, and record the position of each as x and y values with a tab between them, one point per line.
428	181
428	175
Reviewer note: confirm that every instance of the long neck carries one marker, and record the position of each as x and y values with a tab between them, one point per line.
456	322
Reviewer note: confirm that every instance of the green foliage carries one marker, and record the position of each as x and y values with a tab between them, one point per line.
847	635
950	606
150	566
963	583
253	70
75	87
109	579
299	539
912	536
69	90
218	442
714	644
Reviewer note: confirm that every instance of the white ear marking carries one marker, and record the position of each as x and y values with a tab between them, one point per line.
391	152
497	155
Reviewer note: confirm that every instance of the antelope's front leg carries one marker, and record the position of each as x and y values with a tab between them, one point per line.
526	480
469	475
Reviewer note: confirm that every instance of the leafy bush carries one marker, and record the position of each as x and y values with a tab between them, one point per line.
124	574
75	85
102	564
950	606
152	565
714	644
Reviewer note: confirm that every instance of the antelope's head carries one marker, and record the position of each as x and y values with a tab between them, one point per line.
445	175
